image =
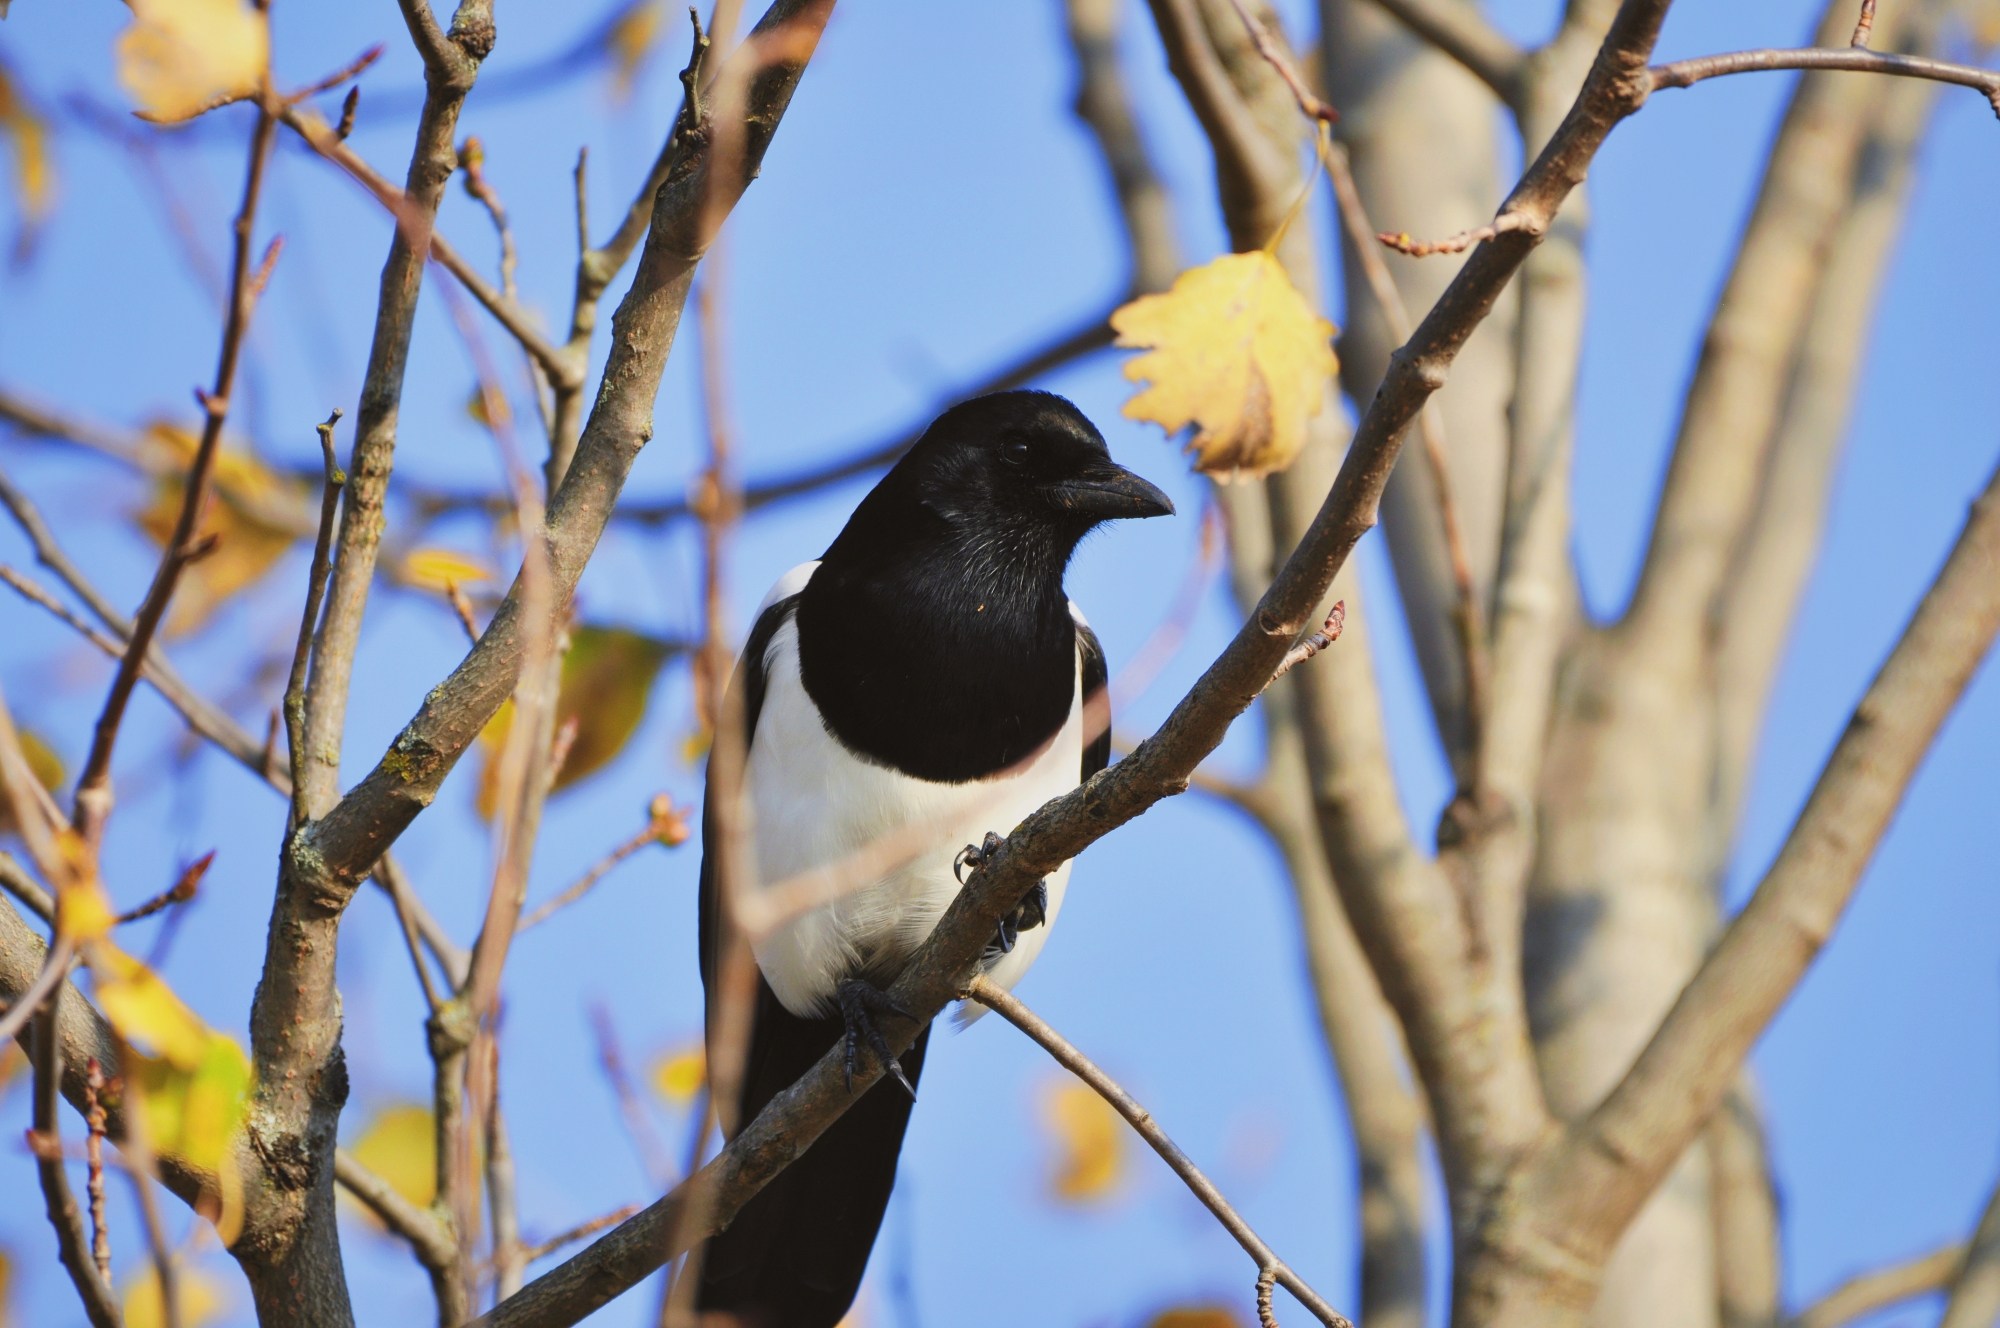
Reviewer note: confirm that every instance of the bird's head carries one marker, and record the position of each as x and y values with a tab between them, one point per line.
1024	461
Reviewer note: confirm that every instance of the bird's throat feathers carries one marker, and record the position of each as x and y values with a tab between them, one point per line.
944	649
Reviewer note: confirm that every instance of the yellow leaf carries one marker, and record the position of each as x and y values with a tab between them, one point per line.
34	172
6	1288
1091	1140
1194	1316
607	679
43	763
400	1145
199	1298
83	910
677	1076
437	570
1236	351
12	1061
181	57
146	1013
193	1083
630	40
255	515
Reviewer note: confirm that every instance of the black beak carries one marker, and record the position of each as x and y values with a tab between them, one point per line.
1110	493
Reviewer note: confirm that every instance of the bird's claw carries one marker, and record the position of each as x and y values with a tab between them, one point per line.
973	856
859	1003
1029	914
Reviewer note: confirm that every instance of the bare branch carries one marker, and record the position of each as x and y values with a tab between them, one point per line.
1743	1204
580	1231
295	687
1975	1290
180	892
1453	244
1269	1266
1589	1187
664	826
1103	104
1863	25
93	787
1462	32
427	1238
1878	1290
15	880
1687	73
91	1281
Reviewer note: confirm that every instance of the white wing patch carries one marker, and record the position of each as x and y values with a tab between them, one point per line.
815	805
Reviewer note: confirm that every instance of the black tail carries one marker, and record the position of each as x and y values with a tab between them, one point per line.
794	1256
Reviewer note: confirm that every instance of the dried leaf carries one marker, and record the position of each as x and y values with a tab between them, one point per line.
631	40
1195	1316
437	570
1091	1139
255	514
181	57
678	1075
1237	351
34	171
400	1145
607	680
200	1298
6	1268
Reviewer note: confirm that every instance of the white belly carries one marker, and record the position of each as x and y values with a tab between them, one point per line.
814	804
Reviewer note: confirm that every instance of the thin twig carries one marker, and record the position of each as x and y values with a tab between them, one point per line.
472	160
1309	104
92	1285
15	880
1863	25
93	791
577	1233
139	1169
100	1233
1459	243
1269	1266
638	1126
1686	73
352	69
295	686
1329	632
666	826
180	892
1882	1287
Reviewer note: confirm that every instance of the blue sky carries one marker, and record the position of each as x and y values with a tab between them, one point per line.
929	210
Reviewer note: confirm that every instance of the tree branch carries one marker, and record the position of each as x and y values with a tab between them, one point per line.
1269	1265
1883	1287
1457	28
1975	1289
1770	567
93	786
1588	1187
99	1305
1104	105
1687	73
427	1238
451	63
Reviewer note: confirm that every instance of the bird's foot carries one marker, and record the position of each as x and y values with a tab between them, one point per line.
973	856
859	1004
1029	914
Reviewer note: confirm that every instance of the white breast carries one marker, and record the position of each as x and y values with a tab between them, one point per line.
814	804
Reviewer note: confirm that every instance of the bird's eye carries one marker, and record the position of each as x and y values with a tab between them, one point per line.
1014	453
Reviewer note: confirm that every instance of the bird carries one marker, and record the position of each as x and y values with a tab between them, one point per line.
926	677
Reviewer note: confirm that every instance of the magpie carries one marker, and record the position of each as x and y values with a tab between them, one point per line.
925	678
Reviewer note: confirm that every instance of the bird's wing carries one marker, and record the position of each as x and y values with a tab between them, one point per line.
749	682
1096	752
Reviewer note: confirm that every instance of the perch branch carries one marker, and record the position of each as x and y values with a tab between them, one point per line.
1269	1266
